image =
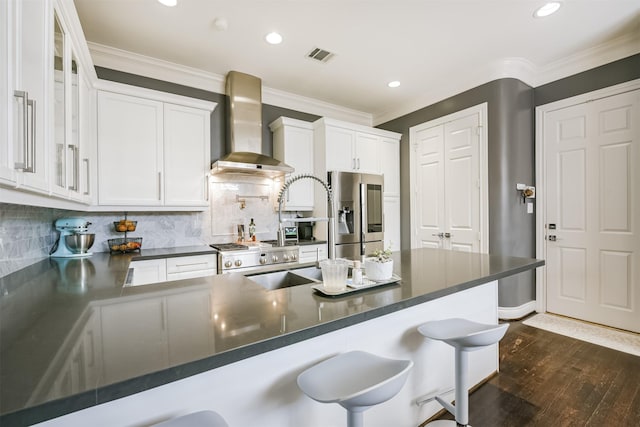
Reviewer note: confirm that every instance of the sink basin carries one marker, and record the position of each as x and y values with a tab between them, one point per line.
310	272
280	279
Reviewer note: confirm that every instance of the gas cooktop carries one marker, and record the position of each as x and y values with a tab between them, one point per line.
229	246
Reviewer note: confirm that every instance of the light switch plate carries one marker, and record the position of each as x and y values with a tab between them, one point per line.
530	208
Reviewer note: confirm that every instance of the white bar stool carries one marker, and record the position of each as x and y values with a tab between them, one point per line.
196	419
356	380
464	336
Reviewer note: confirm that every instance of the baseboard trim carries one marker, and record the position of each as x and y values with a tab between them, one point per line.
512	313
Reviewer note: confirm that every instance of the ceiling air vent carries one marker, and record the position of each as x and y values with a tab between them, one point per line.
320	54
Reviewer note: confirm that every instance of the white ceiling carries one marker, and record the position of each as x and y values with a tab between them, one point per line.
436	48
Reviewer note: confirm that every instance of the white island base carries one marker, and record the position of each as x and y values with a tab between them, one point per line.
262	390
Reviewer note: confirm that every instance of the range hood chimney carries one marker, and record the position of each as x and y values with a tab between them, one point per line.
245	131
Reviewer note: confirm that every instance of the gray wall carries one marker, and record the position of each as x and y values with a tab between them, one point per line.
511	160
616	72
511	110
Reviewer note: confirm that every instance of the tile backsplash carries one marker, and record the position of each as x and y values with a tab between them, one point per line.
27	233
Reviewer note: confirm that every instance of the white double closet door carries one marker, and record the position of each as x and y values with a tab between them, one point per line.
446	181
592	214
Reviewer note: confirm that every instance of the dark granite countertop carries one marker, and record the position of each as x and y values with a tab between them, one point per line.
72	337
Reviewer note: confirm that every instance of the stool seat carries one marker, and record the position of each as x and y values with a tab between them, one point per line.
356	380
464	336
463	333
196	419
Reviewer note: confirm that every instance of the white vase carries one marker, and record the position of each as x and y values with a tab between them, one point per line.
378	271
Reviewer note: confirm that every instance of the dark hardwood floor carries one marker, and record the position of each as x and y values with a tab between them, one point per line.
548	379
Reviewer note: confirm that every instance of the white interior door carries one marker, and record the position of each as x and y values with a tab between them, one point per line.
447	177
592	213
462	183
429	186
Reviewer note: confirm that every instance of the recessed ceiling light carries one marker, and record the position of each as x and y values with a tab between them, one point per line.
169	3
547	9
394	83
273	38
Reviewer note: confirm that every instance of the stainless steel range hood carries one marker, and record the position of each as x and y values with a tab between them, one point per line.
245	131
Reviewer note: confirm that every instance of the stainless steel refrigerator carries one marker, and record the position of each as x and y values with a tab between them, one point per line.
358	213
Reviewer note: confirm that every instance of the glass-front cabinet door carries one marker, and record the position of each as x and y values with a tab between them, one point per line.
66	112
59	58
73	147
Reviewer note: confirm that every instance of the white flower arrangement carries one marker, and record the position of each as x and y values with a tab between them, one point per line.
382	255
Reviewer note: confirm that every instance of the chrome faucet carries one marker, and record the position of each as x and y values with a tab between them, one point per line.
332	228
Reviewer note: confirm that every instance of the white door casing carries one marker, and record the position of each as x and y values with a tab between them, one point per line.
449	182
589	149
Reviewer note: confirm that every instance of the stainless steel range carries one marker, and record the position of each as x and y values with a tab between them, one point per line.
254	257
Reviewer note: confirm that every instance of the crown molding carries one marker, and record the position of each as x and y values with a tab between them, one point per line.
596	56
523	70
505	68
314	106
129	62
121	60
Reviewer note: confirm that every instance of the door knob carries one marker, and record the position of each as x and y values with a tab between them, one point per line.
448	235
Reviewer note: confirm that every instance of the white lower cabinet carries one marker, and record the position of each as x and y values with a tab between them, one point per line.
187	267
149	271
145	272
311	253
153	149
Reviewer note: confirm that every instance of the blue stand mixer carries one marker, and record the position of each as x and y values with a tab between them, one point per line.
73	241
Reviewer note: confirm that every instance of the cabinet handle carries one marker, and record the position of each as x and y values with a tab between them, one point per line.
354	164
25	127
192	264
206	187
448	235
159	185
358	163
88	190
32	167
75	165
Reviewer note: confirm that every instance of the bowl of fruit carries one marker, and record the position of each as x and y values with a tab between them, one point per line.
125	225
129	244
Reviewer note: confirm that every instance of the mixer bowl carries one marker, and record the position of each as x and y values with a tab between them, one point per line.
79	243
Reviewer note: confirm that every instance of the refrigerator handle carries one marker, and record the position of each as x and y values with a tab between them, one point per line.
363	215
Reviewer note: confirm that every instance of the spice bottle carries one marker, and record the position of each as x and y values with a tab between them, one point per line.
356	274
252	230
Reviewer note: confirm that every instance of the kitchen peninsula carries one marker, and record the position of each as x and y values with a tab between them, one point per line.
105	354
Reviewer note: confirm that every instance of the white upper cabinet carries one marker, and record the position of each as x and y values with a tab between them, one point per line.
25	149
46	71
72	139
347	147
152	152
340	146
367	153
130	150
293	145
187	148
